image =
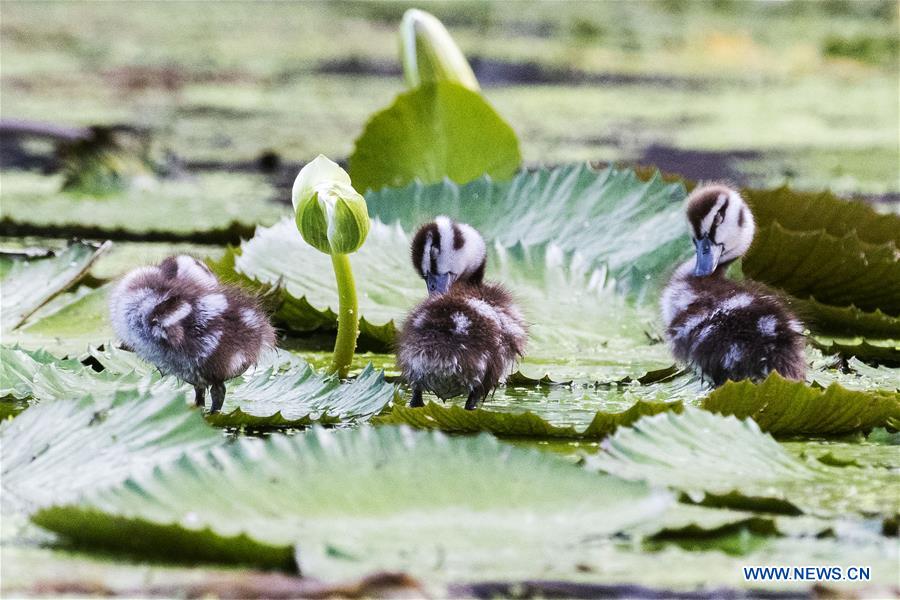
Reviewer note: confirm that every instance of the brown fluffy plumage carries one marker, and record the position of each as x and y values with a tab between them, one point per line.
721	328
180	318
464	340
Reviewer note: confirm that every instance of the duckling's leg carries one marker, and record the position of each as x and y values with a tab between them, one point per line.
416	401
199	395
475	396
217	392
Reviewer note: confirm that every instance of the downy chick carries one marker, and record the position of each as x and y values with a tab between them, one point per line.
466	336
721	328
178	317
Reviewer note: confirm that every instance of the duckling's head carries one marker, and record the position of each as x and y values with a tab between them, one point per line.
721	224
445	252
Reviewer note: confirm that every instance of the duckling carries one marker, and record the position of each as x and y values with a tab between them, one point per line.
180	318
721	328
466	336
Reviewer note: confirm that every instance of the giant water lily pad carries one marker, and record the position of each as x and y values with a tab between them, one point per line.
435	131
383	498
28	284
780	407
736	464
282	391
809	211
839	271
56	451
212	207
631	232
784	407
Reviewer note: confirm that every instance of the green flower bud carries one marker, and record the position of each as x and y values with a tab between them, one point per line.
332	217
429	54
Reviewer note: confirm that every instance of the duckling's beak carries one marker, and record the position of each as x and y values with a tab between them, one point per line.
438	283
707	256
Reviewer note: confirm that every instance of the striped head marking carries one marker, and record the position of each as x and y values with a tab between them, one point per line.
444	252
721	225
189	268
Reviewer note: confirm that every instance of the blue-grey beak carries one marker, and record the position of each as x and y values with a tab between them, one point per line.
707	256
438	283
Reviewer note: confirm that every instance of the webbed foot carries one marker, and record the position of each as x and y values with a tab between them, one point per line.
475	396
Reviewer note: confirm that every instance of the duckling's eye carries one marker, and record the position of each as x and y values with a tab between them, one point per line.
719	218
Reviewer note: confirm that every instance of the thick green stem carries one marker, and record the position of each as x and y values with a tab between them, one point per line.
348	316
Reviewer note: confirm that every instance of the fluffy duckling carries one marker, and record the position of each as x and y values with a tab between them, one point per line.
177	316
721	328
466	336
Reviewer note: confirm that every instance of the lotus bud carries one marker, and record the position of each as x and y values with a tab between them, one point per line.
332	216
429	54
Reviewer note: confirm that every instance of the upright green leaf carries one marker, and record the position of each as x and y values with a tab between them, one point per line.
849	321
436	131
429	54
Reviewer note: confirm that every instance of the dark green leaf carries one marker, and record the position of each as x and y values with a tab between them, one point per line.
810	211
838	271
784	407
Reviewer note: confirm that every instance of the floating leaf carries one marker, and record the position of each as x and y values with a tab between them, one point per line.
373	498
435	131
886	351
68	323
57	451
456	419
631	231
784	407
838	271
282	391
846	320
702	454
857	375
18	368
780	407
212	207
29	284
810	211
859	452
